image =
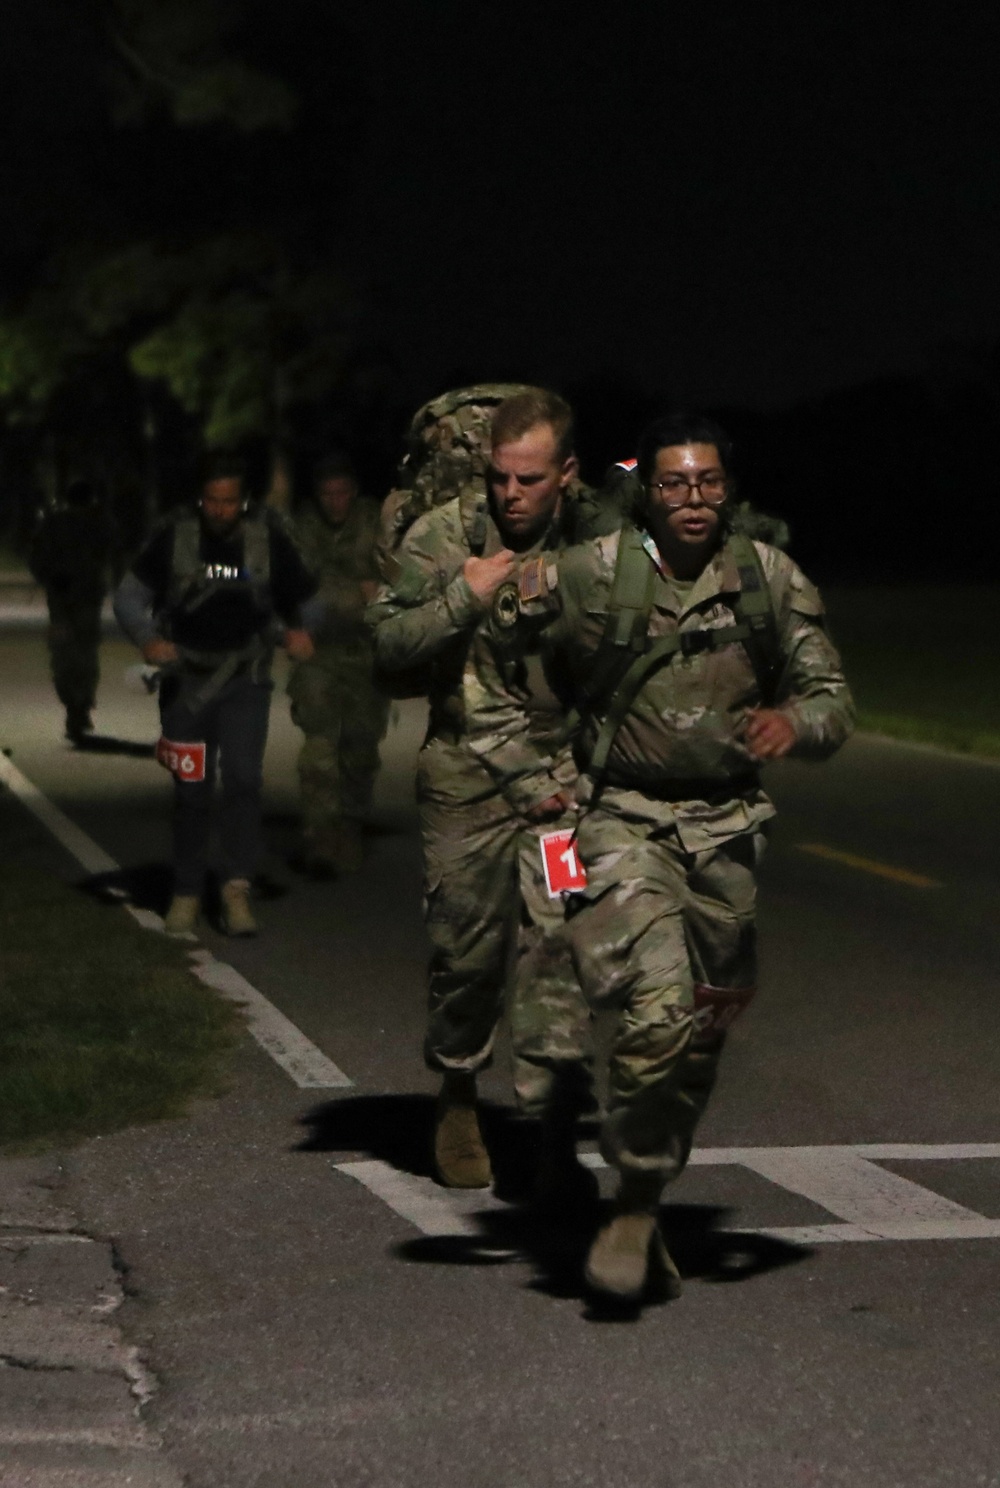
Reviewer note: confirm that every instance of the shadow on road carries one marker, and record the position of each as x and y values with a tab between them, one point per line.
398	1129
150	886
557	1251
395	1128
146	885
107	744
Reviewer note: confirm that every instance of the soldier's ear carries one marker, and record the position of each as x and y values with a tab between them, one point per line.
570	470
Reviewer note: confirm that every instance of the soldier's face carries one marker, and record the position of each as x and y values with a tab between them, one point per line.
335	495
528	479
693	525
222	504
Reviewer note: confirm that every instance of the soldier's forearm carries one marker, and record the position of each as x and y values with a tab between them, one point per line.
405	638
133	607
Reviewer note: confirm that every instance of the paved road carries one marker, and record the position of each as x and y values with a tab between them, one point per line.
318	1313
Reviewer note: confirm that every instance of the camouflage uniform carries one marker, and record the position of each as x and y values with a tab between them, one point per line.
335	701
491	753
70	555
664	933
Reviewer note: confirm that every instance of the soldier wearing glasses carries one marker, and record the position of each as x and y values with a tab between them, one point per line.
694	656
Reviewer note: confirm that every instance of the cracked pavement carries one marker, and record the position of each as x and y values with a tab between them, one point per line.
72	1389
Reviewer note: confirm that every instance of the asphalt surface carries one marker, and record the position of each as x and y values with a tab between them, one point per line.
304	1333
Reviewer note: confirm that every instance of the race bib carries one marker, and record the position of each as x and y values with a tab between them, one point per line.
186	761
717	1008
564	873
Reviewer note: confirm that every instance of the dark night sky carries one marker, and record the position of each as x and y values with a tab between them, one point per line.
735	203
729	202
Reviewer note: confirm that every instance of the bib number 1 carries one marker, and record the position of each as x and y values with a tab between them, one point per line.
564	873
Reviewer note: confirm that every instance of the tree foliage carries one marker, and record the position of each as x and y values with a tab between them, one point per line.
188	274
179	55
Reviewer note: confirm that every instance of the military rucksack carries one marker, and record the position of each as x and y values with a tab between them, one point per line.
447	456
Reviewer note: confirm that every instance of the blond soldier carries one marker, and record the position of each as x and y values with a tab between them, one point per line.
491	779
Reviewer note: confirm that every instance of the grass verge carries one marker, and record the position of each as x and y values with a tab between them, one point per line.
923	663
101	1023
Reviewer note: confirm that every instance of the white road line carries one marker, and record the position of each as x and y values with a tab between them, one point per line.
277	1035
871	1203
433	1210
76	842
287	1045
854	1189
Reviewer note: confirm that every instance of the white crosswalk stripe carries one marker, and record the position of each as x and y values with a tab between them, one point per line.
868	1202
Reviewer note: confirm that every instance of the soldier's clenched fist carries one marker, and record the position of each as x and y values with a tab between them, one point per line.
485	575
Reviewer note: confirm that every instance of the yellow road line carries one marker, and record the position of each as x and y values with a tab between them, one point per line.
869	865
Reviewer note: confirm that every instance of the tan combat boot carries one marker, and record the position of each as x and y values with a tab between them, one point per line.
460	1155
236	916
629	1252
182	916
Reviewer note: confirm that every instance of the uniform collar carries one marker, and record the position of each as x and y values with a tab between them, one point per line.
719	576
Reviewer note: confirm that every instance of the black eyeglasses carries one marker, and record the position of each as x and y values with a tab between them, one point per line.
676	490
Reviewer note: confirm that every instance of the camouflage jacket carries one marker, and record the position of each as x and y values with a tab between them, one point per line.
343	558
487	692
681	742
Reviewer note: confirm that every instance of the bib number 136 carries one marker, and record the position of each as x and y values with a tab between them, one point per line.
564	873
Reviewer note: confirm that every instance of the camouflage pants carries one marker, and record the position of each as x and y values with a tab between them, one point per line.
666	938
486	902
344	717
74	637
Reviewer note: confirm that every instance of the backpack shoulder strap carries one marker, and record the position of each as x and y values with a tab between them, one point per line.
754	607
185	558
627	624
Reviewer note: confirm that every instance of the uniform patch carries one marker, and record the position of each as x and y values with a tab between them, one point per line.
533	583
185	761
505	606
564	873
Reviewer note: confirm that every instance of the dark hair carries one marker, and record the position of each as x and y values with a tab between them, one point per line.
222	465
524	411
337	465
681	428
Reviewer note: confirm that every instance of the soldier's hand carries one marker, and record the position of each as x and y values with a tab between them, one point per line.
485	575
550	808
299	645
769	734
159	652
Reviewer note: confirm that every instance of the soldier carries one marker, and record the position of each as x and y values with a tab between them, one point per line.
694	655
335	701
492	779
200	602
71	552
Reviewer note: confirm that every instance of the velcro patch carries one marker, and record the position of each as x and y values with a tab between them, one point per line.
533	580
185	761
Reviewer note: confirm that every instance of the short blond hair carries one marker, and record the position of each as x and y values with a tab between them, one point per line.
524	411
